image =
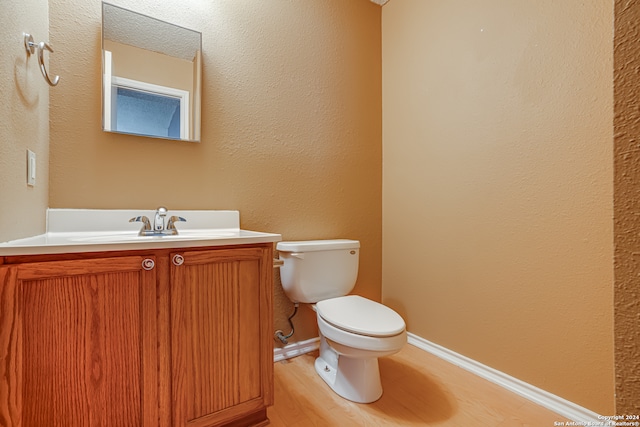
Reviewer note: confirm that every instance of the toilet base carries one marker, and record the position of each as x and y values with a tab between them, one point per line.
355	379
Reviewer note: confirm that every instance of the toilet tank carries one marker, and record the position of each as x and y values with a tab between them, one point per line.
315	270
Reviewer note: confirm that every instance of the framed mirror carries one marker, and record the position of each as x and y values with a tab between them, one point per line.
151	76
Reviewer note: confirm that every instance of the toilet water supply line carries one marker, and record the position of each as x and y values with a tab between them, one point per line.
280	335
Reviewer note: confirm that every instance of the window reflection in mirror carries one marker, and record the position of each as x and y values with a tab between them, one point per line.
151	76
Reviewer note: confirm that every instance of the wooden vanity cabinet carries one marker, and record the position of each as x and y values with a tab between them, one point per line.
163	338
78	343
222	349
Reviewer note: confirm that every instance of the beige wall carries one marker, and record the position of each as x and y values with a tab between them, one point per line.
291	124
627	206
24	120
497	189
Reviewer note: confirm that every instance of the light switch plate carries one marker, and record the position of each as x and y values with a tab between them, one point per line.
31	168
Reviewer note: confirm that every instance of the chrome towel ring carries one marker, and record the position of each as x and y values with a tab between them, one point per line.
31	47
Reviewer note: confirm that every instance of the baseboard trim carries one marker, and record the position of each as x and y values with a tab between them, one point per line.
543	398
295	349
557	404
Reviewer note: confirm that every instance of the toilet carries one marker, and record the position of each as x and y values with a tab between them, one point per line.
354	331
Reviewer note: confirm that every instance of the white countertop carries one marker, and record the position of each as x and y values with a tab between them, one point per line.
97	230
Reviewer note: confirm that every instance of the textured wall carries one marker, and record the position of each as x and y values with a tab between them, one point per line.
24	120
498	185
627	205
291	128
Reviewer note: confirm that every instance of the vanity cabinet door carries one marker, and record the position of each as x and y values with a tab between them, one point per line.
222	350
78	343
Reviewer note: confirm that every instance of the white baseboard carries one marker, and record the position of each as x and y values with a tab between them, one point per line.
295	349
543	398
554	403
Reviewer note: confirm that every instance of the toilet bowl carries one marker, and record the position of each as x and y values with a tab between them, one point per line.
349	349
354	331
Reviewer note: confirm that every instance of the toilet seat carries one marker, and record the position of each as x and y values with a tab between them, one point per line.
358	345
358	315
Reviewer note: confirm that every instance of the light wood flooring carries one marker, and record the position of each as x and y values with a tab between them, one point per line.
419	390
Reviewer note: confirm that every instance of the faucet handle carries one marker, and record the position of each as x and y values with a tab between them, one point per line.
173	220
146	225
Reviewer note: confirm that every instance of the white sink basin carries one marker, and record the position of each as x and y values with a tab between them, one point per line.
129	237
86	230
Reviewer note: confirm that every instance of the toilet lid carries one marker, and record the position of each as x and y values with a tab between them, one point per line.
356	314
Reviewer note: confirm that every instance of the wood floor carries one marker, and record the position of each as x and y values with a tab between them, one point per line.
419	390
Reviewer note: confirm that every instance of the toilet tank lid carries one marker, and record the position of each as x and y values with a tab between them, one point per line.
317	245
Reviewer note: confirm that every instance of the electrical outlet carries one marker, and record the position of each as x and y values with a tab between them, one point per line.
31	168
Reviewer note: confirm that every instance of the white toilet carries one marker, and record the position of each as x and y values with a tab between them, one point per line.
354	331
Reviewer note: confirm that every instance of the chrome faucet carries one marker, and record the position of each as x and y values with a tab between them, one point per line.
159	228
158	222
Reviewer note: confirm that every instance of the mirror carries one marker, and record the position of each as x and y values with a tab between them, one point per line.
151	76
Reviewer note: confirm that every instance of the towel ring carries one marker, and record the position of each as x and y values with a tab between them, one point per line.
31	46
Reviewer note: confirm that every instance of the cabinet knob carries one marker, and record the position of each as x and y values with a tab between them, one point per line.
148	264
178	259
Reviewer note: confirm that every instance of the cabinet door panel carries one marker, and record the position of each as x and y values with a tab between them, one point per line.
217	300
82	337
10	350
